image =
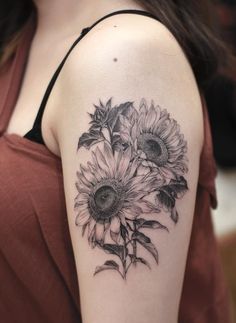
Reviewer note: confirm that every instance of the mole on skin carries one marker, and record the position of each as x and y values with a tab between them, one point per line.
115	59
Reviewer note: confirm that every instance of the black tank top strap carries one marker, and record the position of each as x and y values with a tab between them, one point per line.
35	134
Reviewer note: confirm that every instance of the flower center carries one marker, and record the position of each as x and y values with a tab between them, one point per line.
154	148
105	197
106	200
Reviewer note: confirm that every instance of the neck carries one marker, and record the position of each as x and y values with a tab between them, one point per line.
66	17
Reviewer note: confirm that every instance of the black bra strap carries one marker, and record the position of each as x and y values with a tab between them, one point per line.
35	132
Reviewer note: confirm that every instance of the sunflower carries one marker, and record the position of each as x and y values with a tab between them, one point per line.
157	140
110	193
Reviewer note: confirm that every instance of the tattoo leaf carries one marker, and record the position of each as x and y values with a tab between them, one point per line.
100	116
139	259
179	187
125	109
169	193
175	189
174	215
109	264
147	244
152	224
90	138
139	236
115	236
165	197
114	249
124	232
112	117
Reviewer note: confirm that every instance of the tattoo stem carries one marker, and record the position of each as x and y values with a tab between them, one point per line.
121	274
107	141
129	241
135	245
124	259
128	266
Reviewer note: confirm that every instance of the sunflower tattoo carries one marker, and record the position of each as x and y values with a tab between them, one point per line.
137	167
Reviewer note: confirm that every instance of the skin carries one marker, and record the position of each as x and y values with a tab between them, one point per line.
59	23
138	58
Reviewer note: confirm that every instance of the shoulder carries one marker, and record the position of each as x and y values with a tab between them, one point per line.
132	56
132	44
125	39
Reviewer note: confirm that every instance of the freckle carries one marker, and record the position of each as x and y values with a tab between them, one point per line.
115	59
115	26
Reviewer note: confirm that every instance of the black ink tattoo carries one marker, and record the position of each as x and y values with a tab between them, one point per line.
137	168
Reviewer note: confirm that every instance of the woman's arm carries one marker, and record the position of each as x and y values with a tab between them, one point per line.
129	127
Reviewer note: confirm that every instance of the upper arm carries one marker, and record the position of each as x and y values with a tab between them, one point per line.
130	136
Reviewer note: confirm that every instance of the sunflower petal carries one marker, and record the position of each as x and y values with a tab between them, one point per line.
166	172
132	212
92	224
124	163
101	161
92	238
110	159
82	218
115	236
115	224
151	118
99	231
